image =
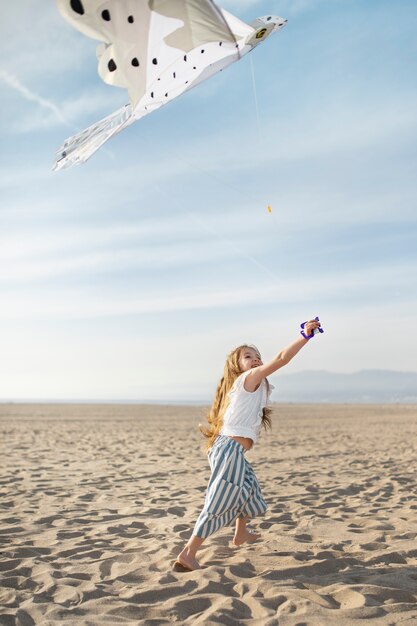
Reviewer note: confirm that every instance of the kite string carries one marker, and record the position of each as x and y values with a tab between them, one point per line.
255	95
244	193
214	233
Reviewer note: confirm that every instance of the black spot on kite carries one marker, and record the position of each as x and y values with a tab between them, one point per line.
155	61
194	68
77	7
202	51
185	57
135	62
112	66
106	15
130	19
173	74
166	95
151	94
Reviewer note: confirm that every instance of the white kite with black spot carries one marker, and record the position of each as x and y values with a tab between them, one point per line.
157	50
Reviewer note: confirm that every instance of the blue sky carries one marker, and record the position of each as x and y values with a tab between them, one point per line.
132	276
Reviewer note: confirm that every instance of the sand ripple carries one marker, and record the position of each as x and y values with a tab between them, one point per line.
97	500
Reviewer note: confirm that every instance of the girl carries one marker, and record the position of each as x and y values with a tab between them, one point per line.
238	411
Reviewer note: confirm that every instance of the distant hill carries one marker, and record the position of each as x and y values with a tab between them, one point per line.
364	386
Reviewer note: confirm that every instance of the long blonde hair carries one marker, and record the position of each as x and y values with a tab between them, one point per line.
231	371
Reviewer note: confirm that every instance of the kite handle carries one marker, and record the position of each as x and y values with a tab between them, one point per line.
315	331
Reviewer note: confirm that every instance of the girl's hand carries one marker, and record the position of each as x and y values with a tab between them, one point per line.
310	326
257	374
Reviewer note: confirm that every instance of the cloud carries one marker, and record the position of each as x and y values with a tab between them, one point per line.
90	101
322	131
184	240
14	83
36	43
90	104
141	257
39	59
69	305
335	288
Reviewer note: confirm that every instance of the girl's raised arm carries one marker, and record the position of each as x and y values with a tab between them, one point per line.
255	376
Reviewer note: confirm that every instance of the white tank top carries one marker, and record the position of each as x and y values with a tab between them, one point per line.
243	415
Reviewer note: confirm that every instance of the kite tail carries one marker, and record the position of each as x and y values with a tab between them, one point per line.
80	147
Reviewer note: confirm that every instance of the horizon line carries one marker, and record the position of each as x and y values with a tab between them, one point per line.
199	403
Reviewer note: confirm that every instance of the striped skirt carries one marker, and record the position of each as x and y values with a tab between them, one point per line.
233	490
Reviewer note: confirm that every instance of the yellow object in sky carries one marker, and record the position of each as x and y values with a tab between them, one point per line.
269	208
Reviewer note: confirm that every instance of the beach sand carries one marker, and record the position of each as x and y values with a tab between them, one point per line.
97	500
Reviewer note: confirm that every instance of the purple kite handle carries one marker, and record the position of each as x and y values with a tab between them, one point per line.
315	331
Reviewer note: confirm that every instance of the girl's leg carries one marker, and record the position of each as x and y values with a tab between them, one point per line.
186	558
227	464
242	534
254	506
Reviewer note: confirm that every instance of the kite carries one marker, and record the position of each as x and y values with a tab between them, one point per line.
157	50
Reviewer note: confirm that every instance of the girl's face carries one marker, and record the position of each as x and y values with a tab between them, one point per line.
249	358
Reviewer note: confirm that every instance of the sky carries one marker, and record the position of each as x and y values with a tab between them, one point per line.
132	276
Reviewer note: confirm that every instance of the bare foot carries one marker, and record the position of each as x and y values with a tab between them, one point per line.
243	536
187	560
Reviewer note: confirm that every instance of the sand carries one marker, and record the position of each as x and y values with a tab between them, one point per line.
96	501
